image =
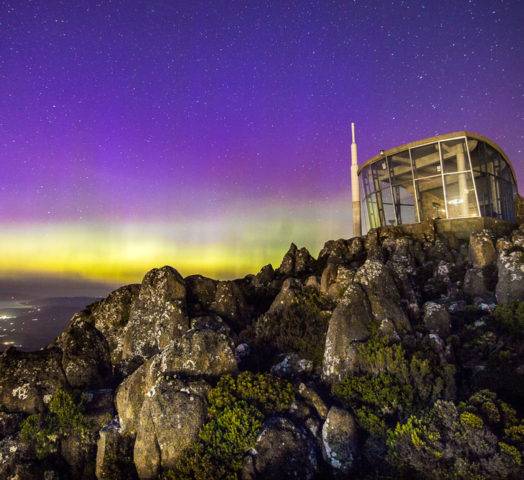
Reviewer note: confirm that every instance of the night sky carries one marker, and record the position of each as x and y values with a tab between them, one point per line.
208	135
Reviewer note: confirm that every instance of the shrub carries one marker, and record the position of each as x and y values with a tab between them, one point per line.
388	386
266	392
300	327
232	432
471	420
511	318
37	434
449	443
42	433
237	407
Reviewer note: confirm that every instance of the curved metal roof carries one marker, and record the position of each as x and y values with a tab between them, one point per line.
438	138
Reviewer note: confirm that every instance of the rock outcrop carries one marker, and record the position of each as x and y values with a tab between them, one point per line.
85	355
349	326
171	416
158	317
28	380
339	440
282	451
375	331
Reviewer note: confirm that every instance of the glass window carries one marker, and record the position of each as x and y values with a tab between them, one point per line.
460	194
402	187
366	181
494	161
380	174
507	200
372	209
494	181
404	201
477	153
454	156
426	160
400	167
487	192
388	213
431	198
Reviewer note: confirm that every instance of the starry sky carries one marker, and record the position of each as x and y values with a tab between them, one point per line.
208	135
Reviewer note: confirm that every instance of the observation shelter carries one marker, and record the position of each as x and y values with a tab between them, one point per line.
459	175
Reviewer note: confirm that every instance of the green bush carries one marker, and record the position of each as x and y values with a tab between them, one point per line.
388	386
450	442
237	407
511	318
39	436
266	392
301	327
42	433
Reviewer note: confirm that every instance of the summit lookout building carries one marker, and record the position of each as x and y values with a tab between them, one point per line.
452	176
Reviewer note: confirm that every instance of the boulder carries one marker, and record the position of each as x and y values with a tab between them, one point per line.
297	262
510	285
348	327
114	455
439	250
329	276
130	396
171	416
402	264
292	366
311	396
372	246
201	292
436	319
198	352
282	451
264	277
287	267
229	302
304	262
482	249
158	315
79	453
347	252
111	316
475	283
517	237
383	295
85	355
287	294
339	440
29	379
343	278
334	252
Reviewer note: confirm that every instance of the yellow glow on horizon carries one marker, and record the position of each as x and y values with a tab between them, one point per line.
70	251
228	247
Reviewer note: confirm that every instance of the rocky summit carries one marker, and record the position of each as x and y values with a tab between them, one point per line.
399	354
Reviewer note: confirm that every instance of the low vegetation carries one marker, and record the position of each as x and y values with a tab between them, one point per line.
479	439
389	384
43	432
300	327
237	408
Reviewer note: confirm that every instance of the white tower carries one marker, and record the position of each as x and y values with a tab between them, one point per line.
355	190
